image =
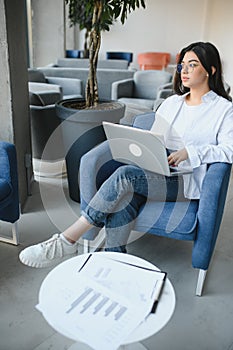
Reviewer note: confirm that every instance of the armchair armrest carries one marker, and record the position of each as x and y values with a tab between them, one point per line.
46	93
6	161
43	87
210	212
144	121
166	86
122	88
164	93
165	90
8	171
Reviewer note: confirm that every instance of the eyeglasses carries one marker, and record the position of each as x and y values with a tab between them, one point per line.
189	68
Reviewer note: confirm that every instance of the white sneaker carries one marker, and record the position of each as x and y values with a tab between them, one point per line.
47	253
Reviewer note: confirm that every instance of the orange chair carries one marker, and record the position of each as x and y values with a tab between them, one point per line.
153	60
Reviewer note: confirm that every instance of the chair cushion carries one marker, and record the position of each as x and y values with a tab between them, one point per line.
5	189
170	219
141	102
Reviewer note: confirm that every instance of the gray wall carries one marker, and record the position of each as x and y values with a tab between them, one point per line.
169	25
48	31
14	109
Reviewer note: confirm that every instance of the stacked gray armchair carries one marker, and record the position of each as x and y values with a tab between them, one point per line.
116	80
141	91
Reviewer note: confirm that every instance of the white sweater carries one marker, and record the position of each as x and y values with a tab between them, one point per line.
206	131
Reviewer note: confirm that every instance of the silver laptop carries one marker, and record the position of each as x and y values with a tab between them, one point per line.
140	147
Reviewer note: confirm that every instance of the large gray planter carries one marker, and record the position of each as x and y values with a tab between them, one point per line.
82	130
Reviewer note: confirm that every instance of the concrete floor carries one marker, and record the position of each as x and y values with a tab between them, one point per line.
204	323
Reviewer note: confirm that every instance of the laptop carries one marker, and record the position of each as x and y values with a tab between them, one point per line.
140	147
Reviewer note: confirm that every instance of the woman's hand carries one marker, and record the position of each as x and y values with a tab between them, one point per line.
176	157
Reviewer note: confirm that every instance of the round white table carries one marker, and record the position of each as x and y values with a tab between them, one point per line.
151	325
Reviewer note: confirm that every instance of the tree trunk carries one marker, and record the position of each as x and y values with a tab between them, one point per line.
95	42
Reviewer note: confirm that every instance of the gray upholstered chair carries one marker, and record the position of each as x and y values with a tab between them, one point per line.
105	76
41	84
71	87
142	89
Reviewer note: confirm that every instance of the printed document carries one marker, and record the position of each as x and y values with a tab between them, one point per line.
102	303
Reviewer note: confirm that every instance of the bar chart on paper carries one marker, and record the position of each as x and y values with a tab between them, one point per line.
109	317
94	302
123	279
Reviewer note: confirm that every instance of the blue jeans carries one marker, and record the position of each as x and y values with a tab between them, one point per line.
117	202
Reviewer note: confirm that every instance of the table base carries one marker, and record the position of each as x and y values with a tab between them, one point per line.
133	346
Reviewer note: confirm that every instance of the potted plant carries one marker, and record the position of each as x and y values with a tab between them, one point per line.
82	118
103	13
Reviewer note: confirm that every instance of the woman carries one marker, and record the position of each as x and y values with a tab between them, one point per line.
197	122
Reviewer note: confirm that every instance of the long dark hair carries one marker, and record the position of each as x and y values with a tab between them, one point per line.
209	57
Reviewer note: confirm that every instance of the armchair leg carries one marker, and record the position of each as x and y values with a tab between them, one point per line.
200	282
86	248
15	235
95	245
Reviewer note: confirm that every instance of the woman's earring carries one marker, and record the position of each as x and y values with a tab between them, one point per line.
207	74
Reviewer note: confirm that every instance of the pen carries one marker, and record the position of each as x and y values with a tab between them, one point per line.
89	256
138	266
158	294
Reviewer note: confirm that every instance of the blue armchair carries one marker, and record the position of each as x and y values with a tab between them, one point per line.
118	55
9	197
199	222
